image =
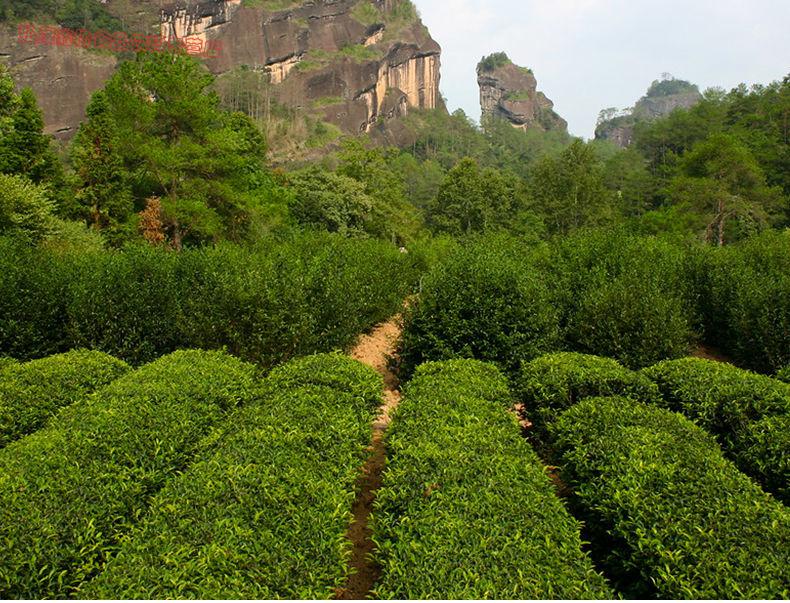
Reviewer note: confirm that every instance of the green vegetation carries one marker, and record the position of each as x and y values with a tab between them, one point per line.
672	518
493	62
784	374
7	362
33	392
553	383
745	300
482	302
669	86
263	514
73	490
728	402
466	510
267	304
72	14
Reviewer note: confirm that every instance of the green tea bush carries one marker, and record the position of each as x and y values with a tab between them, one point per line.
264	514
466	510
32	392
33	286
746	301
784	374
7	362
483	302
266	304
764	453
670	516
727	402
553	383
623	296
70	492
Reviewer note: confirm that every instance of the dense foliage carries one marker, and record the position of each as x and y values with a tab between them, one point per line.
264	304
33	392
745	301
729	402
466	510
263	513
553	383
674	519
71	491
483	302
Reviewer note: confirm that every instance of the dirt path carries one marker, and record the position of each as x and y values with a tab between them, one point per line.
374	350
710	353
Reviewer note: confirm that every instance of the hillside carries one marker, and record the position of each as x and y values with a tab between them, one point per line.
343	63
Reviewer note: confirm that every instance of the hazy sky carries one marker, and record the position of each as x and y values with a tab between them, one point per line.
591	54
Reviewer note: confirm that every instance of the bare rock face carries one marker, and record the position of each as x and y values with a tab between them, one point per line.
662	98
350	62
509	92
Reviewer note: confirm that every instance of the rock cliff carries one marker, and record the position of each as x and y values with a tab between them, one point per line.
663	97
351	63
510	92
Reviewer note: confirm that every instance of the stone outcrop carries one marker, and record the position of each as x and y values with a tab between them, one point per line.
510	92
350	62
662	98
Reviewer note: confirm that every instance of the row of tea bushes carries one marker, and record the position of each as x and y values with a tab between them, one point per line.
748	413
32	392
745	300
466	510
267	304
672	518
607	293
555	382
6	362
784	374
263	515
70	492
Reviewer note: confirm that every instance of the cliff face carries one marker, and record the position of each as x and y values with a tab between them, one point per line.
661	99
510	92
351	62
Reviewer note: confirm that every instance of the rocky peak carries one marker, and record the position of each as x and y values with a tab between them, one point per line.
662	98
510	92
350	63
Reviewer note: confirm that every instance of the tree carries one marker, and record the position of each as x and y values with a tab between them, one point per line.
24	148
721	180
26	209
162	119
568	190
103	192
333	202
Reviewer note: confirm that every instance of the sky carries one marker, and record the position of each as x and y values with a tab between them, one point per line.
588	55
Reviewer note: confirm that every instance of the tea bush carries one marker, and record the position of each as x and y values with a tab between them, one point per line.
726	401
7	362
673	518
784	374
69	493
553	383
466	510
267	304
32	392
483	302
623	296
763	451
746	301
262	515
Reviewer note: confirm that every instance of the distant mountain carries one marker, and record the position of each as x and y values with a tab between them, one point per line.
663	97
510	92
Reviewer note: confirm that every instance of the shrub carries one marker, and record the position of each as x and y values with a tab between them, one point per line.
33	392
784	374
7	362
483	302
672	518
466	510
551	384
727	401
70	492
764	453
264	514
747	301
33	290
268	304
627	297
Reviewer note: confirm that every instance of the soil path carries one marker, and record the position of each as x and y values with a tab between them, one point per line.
710	353
374	350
